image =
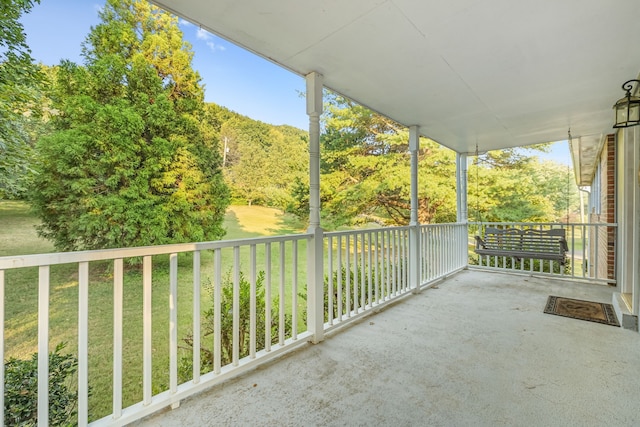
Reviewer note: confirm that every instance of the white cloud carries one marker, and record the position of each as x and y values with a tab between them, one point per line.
184	23
203	34
213	42
210	40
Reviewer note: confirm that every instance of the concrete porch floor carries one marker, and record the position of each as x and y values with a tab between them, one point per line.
475	351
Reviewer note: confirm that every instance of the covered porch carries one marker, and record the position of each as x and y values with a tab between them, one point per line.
449	344
476	349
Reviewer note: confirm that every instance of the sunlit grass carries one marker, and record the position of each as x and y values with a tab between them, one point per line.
256	219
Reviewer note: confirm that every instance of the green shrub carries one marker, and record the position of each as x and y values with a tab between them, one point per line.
348	281
21	390
185	369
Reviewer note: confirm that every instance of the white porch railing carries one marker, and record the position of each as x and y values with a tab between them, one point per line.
443	250
591	255
367	268
280	258
363	269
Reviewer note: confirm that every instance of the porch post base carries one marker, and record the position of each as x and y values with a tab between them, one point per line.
625	317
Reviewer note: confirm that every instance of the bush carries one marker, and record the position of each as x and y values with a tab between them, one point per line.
21	390
349	280
185	369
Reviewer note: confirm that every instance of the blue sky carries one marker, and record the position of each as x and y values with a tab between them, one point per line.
233	77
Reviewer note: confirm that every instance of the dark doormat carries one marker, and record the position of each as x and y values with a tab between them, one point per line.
583	310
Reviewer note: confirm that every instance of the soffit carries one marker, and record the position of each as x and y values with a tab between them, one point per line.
585	154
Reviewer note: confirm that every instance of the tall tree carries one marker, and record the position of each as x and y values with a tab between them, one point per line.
505	185
366	170
557	182
19	88
132	162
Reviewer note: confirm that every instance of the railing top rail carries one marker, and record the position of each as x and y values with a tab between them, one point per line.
561	224
365	231
20	261
393	228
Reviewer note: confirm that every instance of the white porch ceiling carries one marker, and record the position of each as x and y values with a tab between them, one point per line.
501	73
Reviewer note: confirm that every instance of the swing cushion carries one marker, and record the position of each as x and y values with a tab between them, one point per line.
527	243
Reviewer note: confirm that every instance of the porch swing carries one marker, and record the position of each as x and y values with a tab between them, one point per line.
519	243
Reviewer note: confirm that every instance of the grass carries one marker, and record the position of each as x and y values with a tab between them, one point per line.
253	219
18	237
17	233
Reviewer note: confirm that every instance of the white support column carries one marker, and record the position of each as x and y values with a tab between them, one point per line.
462	205
414	232
628	214
414	146
315	257
634	138
314	110
461	188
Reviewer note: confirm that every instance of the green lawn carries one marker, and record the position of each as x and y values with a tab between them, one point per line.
18	236
17	231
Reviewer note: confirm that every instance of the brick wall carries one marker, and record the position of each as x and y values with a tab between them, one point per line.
604	263
611	205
